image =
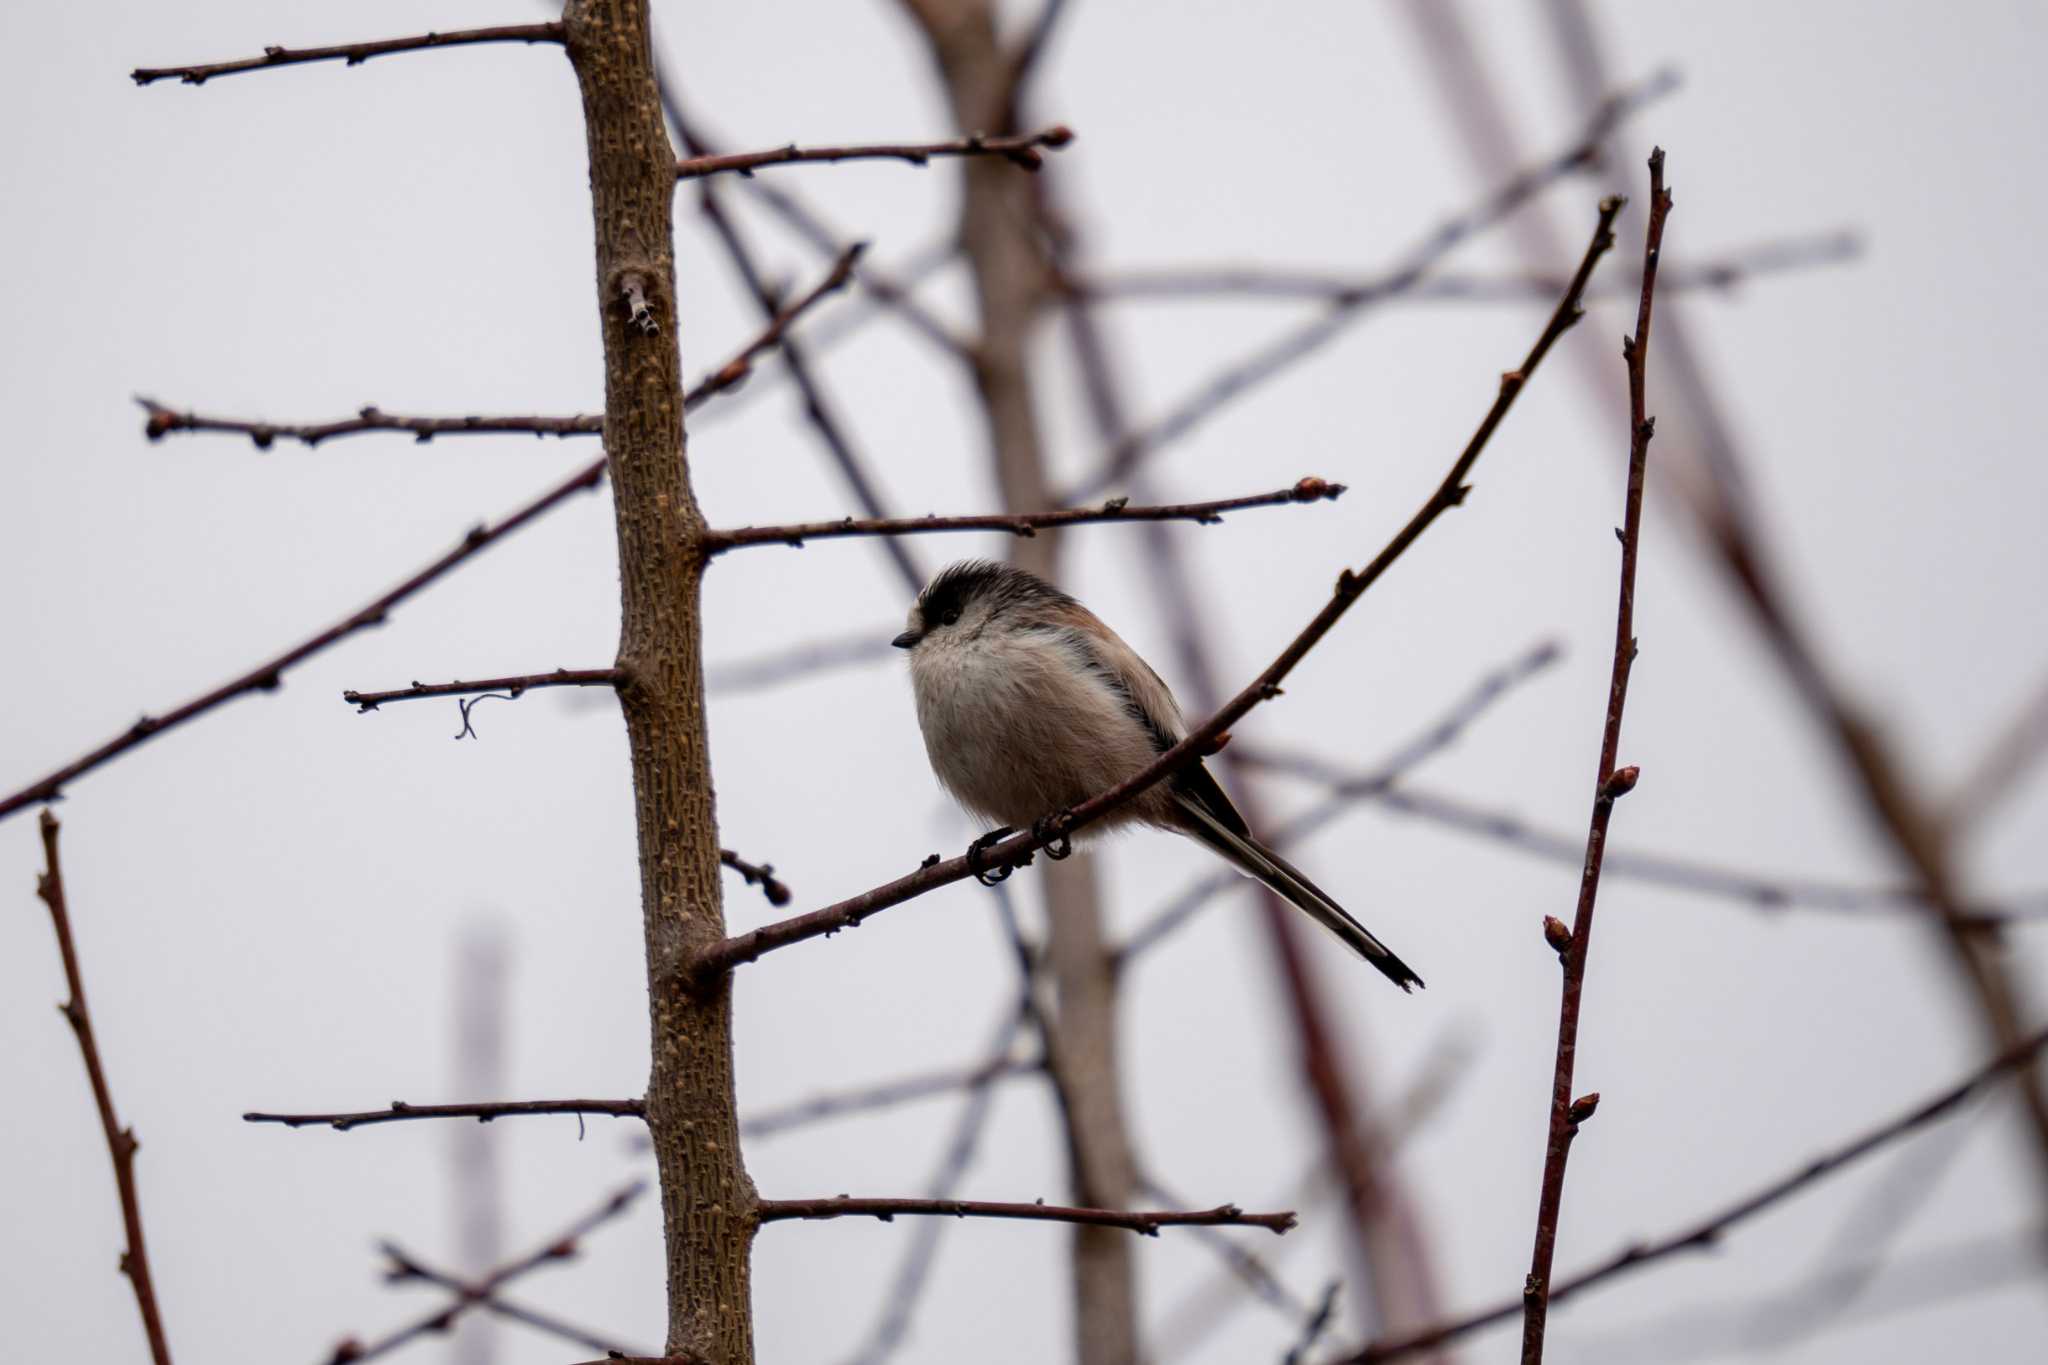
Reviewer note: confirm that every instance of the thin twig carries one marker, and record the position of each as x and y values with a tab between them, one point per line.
163	421
269	675
889	1094
1146	1222
1269	360
800	661
406	1266
1025	524
560	1248
1021	151
354	54
757	874
1200	741
1707	1232
2013	752
121	1143
1610	783
513	686
1317	1324
401	1112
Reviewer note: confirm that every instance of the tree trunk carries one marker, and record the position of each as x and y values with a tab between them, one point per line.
707	1200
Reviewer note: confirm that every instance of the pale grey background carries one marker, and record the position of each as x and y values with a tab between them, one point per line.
269	902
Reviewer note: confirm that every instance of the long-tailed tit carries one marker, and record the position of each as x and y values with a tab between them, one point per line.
1029	705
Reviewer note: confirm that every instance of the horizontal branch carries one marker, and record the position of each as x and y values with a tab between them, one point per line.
1024	524
164	421
353	54
267	676
1707	1233
401	1112
1021	150
1018	848
1146	1222
512	687
888	1094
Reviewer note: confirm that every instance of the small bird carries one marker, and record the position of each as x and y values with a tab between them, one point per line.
1030	704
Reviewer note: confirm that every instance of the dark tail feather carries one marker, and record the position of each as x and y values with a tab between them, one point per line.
1262	864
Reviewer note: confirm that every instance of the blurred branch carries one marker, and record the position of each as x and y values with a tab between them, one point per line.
512	687
354	54
269	675
817	409
1021	524
121	1143
1610	783
734	372
1147	1222
1312	1330
1708	1232
406	1266
1014	851
1125	457
1726	271
763	671
560	1248
2004	765
888	1094
401	1112
1018	151
757	874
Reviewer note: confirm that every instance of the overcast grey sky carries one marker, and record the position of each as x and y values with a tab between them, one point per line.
269	903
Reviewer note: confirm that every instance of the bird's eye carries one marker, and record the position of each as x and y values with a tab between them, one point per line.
949	616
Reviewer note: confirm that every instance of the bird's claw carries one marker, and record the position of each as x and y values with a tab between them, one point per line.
977	857
1051	831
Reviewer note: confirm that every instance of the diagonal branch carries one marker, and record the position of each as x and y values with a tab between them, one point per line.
121	1143
1021	151
889	1094
1145	1222
267	676
1016	849
1707	1233
406	1266
354	54
1020	524
1567	1113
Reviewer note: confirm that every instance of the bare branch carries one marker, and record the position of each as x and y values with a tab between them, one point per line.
406	1266
1020	151
401	1112
2013	752
1724	272
889	1094
164	421
268	676
121	1143
757	874
1015	850
1708	1232
513	686
353	54
1025	524
1269	360
1147	1222
763	671
1567	1112
557	1249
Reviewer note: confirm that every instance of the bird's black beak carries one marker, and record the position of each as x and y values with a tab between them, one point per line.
907	639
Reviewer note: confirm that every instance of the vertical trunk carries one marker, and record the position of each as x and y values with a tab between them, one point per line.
706	1198
998	231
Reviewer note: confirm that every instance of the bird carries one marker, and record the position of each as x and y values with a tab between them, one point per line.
1029	704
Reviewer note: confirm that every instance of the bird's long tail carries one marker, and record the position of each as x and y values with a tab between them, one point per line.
1262	864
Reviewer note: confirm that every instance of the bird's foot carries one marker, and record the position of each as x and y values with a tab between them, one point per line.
977	857
1051	830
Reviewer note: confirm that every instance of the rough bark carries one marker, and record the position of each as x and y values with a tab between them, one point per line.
1010	270
707	1199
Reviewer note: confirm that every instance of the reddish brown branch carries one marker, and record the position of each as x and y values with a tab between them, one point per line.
164	421
1021	150
401	1112
121	1143
1147	1222
512	687
406	1266
1016	849
269	675
559	1248
1708	1232
1566	1113
354	54
1269	360
1021	524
